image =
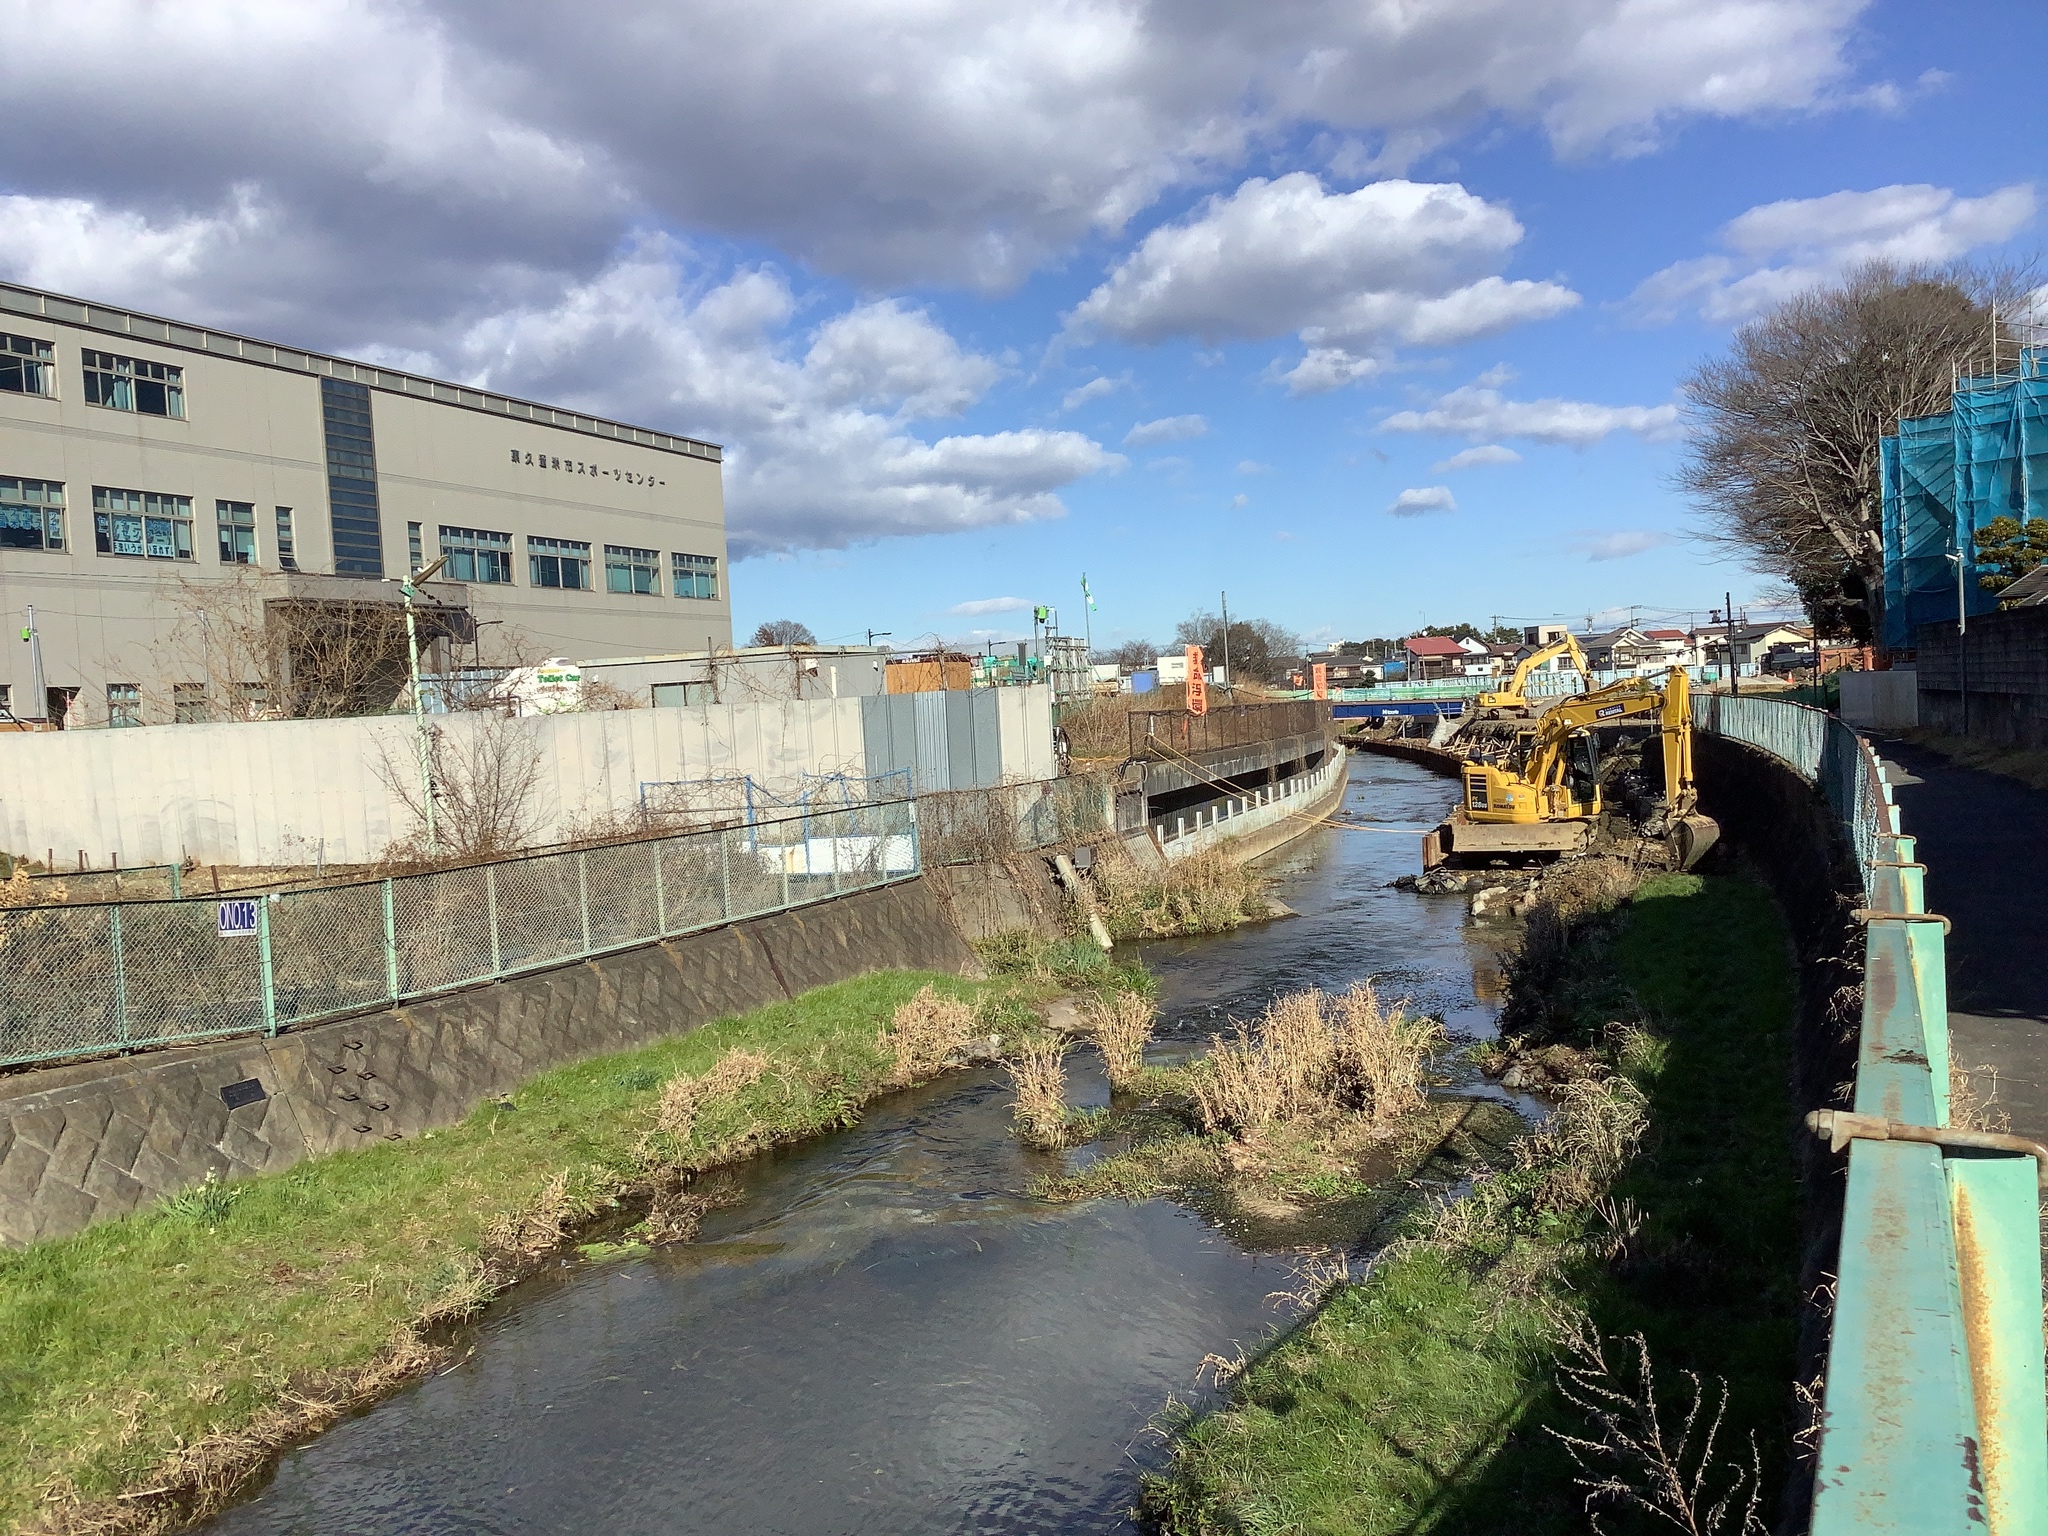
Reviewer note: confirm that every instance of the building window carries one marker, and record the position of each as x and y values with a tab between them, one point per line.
352	478
558	563
237	521
188	703
25	366
632	570
134	384
142	524
415	549
287	545
476	554
694	575
124	704
683	695
31	514
252	701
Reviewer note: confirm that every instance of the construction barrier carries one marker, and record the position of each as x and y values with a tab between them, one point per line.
1934	1418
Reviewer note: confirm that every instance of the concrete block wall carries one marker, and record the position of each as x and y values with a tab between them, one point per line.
2005	656
98	1140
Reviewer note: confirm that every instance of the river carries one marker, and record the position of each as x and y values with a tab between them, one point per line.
885	1335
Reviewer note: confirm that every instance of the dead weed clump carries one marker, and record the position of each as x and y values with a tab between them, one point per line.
1582	1148
1314	1053
1122	1026
924	1033
684	1098
1207	892
1039	1071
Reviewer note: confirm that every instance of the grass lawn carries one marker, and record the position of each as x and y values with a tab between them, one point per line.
131	1339
1417	1400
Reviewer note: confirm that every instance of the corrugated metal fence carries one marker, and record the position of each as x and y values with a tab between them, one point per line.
81	979
1934	1414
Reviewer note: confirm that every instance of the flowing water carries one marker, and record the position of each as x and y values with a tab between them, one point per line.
885	1335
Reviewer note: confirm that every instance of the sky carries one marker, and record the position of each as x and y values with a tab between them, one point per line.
1370	315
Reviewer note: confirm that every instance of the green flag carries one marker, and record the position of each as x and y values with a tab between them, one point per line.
1085	593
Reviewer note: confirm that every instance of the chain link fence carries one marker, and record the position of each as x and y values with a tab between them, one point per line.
969	825
80	979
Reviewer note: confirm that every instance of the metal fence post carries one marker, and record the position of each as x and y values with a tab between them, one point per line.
916	845
583	894
491	913
263	961
837	839
725	874
177	883
660	888
120	978
390	941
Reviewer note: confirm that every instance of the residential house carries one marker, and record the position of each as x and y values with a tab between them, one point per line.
1434	658
1752	643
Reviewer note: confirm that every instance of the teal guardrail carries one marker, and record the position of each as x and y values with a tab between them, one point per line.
1935	1416
85	978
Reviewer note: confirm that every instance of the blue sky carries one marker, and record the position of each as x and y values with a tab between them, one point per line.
924	269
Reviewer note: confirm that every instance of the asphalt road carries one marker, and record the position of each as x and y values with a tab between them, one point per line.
1984	840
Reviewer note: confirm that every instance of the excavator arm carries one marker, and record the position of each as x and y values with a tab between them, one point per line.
1513	696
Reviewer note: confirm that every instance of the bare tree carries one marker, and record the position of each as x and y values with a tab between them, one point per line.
484	770
1132	655
783	632
1259	649
1784	464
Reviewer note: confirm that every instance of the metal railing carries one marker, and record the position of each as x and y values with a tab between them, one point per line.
1935	1420
82	979
1225	725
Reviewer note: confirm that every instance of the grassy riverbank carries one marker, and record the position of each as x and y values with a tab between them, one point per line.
174	1350
1661	1201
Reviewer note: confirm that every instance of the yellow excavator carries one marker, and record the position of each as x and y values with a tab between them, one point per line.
1541	793
1511	699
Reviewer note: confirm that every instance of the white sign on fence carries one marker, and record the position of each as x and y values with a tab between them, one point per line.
238	919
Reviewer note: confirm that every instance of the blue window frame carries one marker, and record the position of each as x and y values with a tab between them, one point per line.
134	384
694	575
632	570
477	554
31	514
142	525
26	367
561	563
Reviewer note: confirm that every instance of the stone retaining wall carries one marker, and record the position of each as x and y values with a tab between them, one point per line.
95	1140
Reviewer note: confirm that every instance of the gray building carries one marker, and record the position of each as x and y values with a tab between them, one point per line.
204	523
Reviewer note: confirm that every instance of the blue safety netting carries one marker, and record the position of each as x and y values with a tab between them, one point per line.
1945	477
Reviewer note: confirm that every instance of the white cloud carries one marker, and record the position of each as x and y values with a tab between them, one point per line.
1777	249
987	605
1095	389
1253	467
1472	458
819	451
1620	545
1239	500
1354	273
1480	413
1417	500
1167	429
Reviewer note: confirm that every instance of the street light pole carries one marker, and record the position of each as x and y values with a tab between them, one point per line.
38	689
419	713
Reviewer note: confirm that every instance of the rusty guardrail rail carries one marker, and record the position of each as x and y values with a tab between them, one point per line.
1936	1410
1225	725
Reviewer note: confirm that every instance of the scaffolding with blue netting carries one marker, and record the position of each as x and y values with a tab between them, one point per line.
1947	476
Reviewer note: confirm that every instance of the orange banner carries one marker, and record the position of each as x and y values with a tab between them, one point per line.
1322	676
1198	683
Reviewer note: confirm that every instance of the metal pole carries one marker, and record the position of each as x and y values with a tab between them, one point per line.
1734	672
419	713
491	912
38	689
725	874
660	890
583	894
120	978
1229	678
263	960
390	942
1963	630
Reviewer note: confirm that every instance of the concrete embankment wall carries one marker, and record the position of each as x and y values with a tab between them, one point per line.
297	791
84	1143
2003	661
1256	830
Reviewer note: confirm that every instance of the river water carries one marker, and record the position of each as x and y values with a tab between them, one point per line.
884	1335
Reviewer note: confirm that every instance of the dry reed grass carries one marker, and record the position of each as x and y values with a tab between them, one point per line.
1204	893
684	1098
1122	1026
1587	1141
1040	1073
1314	1053
924	1032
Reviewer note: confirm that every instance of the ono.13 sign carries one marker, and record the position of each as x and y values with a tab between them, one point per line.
238	919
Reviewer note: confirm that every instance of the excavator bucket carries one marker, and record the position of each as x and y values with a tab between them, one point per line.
1691	837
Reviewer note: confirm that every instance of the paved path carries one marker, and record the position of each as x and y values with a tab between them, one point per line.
1984	840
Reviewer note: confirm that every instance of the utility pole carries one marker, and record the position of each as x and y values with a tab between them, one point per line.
38	690
419	712
1734	672
1229	677
1963	632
